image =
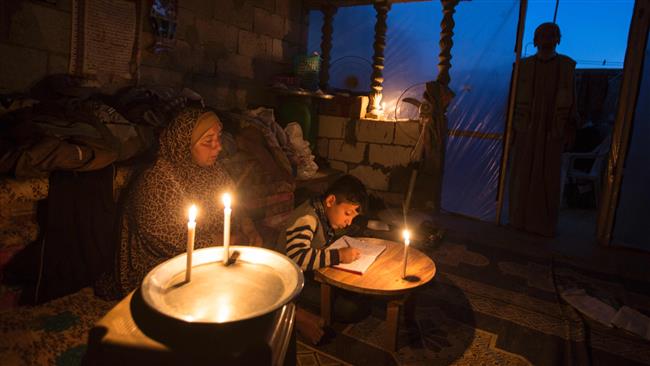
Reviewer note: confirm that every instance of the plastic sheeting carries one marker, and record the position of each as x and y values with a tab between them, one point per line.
633	211
484	38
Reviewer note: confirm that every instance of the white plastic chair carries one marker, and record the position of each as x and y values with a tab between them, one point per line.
571	175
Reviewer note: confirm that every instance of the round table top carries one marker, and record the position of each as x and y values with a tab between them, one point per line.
384	277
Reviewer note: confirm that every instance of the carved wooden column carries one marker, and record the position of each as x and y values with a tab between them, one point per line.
439	95
374	106
326	44
447	31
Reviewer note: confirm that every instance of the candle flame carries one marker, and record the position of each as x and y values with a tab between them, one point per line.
226	200
407	237
192	214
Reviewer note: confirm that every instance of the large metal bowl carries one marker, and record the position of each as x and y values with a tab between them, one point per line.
258	283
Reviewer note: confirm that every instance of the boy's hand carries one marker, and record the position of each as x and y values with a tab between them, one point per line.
348	255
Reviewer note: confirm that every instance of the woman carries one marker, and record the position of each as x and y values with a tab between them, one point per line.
154	221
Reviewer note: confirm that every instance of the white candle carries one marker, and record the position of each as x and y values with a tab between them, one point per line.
407	241
226	226
191	232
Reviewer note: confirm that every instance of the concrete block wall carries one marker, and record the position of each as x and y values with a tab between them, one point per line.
378	156
226	50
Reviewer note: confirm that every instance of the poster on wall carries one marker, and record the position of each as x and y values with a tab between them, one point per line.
105	40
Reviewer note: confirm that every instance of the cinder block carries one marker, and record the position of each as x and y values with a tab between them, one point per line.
154	75
339	150
389	155
339	165
406	133
292	31
375	131
58	64
41	27
322	147
278	49
251	44
238	65
332	127
391	199
267	23
371	177
20	67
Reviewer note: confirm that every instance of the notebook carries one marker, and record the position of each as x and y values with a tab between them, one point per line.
369	252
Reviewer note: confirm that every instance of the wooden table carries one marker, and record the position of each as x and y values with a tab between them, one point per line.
383	278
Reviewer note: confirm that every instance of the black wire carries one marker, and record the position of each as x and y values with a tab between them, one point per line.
557	4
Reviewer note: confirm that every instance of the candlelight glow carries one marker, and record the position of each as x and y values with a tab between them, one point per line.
407	237
192	213
226	199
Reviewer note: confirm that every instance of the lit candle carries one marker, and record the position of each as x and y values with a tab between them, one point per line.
191	231
226	226
407	241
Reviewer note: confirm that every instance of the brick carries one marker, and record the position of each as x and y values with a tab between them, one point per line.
58	64
332	127
371	177
406	133
390	199
200	8
20	67
236	65
267	23
322	147
185	25
293	31
389	155
217	32
41	27
251	44
240	14
339	165
375	131
278	49
339	150
154	75
264	4
291	9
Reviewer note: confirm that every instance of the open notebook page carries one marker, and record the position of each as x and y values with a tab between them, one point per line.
369	252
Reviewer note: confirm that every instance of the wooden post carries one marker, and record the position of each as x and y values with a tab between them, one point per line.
628	99
374	107
326	44
447	31
503	173
439	96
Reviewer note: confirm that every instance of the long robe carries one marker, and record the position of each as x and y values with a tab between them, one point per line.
544	117
154	221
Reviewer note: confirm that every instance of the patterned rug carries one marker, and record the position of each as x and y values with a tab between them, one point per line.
56	333
488	305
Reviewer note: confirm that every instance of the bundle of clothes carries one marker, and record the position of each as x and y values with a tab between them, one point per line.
62	124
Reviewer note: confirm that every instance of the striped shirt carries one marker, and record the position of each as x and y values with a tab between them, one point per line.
299	237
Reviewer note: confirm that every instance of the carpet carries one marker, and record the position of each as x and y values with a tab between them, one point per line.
489	305
55	333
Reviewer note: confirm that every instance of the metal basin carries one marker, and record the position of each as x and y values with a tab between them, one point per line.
258	283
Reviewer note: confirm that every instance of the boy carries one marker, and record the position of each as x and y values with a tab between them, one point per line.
310	231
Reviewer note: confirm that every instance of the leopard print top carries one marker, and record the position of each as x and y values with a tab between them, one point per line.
154	223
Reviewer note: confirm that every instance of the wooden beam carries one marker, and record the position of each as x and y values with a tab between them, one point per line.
319	4
632	71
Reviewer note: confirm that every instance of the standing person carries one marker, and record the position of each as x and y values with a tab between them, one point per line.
154	218
544	125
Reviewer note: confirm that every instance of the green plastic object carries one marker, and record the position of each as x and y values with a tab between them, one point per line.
295	111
